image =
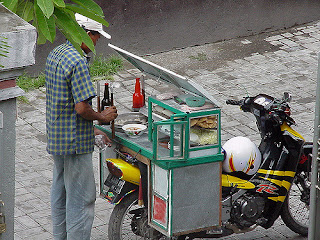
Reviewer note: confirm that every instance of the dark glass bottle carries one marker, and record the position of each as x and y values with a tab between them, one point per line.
105	102
106	97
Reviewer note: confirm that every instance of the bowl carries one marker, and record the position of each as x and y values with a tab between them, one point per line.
134	130
129	118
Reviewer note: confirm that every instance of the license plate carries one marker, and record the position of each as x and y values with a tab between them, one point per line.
114	184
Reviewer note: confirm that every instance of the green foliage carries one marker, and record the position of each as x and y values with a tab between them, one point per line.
3	48
199	57
105	66
28	83
100	66
47	15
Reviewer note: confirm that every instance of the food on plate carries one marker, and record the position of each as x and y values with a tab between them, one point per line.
194	137
204	122
193	121
203	136
134	130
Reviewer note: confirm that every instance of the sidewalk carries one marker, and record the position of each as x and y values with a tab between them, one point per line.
267	63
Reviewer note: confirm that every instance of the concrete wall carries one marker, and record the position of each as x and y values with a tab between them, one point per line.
21	37
7	164
150	26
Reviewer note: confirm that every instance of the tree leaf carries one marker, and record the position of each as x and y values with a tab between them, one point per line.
10	4
87	40
45	25
70	26
85	12
46	7
3	51
41	39
90	5
71	39
28	11
20	8
59	3
66	23
52	27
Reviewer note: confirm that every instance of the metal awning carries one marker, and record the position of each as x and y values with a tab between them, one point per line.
165	75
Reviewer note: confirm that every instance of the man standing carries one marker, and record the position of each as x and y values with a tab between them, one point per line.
70	135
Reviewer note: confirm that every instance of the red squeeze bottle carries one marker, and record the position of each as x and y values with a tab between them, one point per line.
137	98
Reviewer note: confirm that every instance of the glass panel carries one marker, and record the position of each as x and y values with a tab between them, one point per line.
170	139
160	181
204	131
177	141
162	112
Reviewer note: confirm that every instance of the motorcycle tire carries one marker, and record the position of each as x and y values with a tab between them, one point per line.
118	217
121	225
295	209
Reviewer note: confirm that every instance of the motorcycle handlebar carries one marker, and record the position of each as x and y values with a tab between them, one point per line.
246	104
234	102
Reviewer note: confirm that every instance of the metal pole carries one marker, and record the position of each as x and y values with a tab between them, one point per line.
314	231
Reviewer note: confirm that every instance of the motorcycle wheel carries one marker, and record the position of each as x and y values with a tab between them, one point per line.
121	224
120	219
295	210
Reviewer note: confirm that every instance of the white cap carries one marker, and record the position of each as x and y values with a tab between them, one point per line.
90	24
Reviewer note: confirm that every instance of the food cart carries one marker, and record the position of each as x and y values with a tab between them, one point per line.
182	149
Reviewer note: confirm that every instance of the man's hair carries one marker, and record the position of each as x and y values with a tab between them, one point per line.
92	31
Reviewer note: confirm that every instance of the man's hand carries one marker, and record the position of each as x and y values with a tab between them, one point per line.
85	110
109	114
102	139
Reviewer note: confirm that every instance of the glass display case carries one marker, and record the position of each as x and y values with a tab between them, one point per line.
186	133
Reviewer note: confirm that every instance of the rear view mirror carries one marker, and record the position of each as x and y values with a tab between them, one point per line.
287	97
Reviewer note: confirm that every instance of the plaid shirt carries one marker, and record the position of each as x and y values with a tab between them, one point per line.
67	82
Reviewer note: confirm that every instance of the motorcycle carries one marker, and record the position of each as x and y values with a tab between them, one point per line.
278	186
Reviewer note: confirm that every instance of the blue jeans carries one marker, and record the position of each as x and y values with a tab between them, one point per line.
73	194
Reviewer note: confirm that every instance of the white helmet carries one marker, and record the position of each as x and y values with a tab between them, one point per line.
241	155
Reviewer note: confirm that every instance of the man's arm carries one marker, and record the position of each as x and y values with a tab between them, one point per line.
85	110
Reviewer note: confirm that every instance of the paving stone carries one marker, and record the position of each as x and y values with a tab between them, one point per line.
35	233
292	68
18	227
287	35
274	38
27	221
42	217
298	33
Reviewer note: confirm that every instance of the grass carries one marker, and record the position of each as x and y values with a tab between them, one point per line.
28	83
100	66
105	67
199	57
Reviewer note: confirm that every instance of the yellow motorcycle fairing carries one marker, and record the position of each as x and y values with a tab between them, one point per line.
130	173
286	127
280	179
231	181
